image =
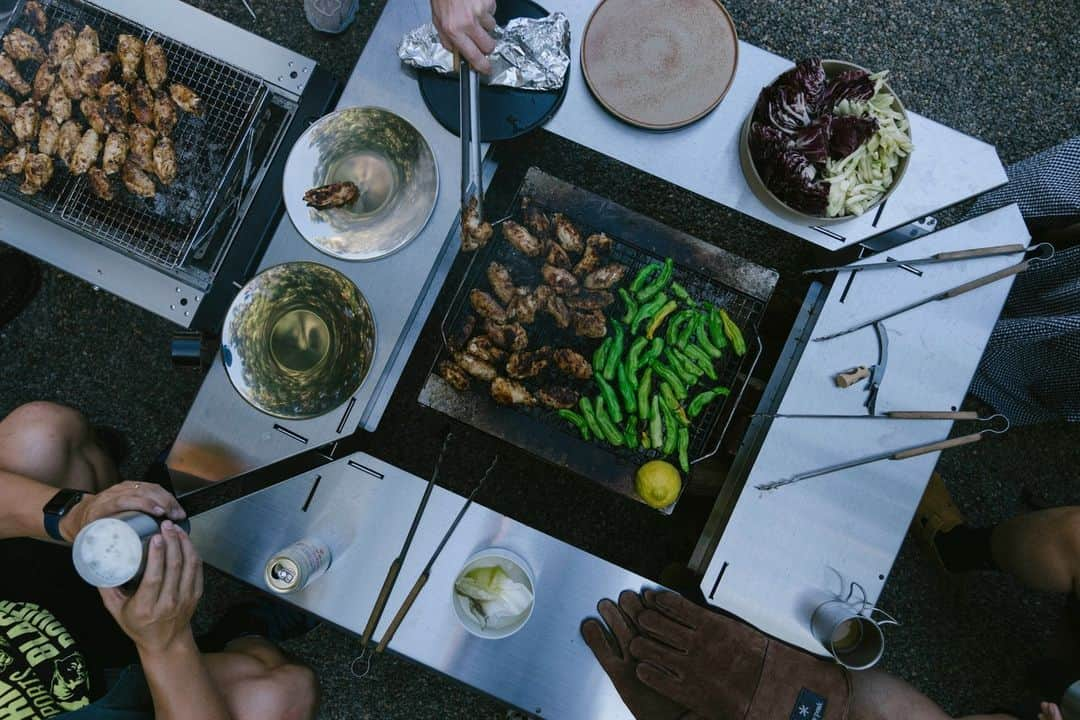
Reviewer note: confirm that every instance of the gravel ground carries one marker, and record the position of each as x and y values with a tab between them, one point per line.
1004	72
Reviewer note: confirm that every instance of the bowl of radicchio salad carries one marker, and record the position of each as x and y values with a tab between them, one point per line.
826	141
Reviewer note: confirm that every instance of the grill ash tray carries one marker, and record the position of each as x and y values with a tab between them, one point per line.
709	273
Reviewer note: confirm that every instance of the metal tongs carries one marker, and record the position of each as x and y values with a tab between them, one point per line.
472	187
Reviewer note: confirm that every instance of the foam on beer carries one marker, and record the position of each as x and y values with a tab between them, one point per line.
108	553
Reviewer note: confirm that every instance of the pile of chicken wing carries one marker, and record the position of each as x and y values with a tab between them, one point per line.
102	114
572	286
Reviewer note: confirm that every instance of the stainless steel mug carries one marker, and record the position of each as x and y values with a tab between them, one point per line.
853	639
111	551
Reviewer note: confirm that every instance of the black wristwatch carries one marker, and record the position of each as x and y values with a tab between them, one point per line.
57	508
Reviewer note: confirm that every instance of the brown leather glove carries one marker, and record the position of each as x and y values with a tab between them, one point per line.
723	669
611	647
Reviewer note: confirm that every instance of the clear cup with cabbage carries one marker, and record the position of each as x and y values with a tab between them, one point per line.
494	593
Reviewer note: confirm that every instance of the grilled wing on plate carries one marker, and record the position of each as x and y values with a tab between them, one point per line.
527	364
87	45
590	300
538	223
572	363
58	104
523	306
143	104
453	374
71	133
563	281
62	44
36	15
26	122
21	46
155	64
36	174
165	161
591	324
501	282
186	98
137	181
86	152
487	306
509	337
525	242
115	153
475	366
100	184
49	136
165	114
130	51
606	277
557	397
10	74
568	235
508	392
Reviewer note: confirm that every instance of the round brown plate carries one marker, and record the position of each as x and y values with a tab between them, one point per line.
659	65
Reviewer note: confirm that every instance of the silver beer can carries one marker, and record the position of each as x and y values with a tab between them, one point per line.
296	566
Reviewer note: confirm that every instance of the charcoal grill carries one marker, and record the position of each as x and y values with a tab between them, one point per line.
708	273
203	234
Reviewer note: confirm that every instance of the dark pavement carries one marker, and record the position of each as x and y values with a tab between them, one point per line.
1005	72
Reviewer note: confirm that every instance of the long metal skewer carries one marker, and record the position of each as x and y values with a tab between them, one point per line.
942	257
426	573
891	415
248	6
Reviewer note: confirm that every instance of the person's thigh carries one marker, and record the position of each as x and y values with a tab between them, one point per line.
259	683
54	444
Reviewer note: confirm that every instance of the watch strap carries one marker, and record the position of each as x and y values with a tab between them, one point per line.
57	508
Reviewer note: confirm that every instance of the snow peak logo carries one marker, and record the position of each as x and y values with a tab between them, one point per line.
808	706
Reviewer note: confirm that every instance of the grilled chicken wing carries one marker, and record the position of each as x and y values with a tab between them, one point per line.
458	338
553	305
155	65
475	366
36	15
557	257
21	46
557	397
95	72
508	392
332	195
37	173
525	242
137	181
523	306
484	348
130	51
606	277
141	98
86	152
563	281
14	162
596	247
10	74
599	242
501	282
115	104
165	161
71	133
165	115
71	78
26	122
49	136
590	300
58	104
487	306
62	44
526	364
509	337
186	98
453	374
141	147
44	79
538	223
7	137
591	324
87	45
572	363
100	184
568	235
94	112
115	154
474	233
6	101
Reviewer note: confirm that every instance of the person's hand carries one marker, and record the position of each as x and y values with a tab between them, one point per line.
611	646
464	26
1049	711
149	498
159	613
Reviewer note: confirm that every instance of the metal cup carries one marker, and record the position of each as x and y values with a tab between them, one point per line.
125	536
853	639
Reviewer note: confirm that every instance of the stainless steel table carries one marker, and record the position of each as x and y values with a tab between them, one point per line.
779	554
545	668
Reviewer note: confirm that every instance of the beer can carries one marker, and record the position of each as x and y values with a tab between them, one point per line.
296	566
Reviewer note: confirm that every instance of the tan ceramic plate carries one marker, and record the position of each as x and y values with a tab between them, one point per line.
659	65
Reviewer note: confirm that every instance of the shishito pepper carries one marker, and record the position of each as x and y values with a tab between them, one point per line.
667	374
630	433
676	324
688	378
658	319
680	292
703	339
647	310
698	403
599	358
655	348
656	424
614	353
644	389
590	417
577	421
631	306
607	425
688	363
633	358
646	442
608	394
671	430
658	284
683	442
673	404
627	389
734	334
701	359
716	329
642	278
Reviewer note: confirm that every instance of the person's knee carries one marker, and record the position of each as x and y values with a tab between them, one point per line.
287	692
46	420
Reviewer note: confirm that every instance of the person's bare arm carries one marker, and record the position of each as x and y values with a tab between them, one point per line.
877	695
22	500
158	619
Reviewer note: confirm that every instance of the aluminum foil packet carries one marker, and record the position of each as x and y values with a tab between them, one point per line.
530	53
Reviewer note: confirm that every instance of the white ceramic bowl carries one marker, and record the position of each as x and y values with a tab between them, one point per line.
518	570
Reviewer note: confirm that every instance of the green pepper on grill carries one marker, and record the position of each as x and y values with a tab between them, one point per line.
577	421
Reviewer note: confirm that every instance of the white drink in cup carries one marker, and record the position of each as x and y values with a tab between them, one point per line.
111	552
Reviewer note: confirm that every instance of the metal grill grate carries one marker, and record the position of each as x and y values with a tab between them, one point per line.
162	230
745	310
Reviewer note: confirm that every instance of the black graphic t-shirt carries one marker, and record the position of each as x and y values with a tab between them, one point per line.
42	672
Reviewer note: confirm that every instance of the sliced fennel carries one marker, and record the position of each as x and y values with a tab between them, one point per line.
858	180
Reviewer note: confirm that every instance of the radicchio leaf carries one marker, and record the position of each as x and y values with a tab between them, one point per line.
813	141
808	77
849	133
794	181
848	85
766	145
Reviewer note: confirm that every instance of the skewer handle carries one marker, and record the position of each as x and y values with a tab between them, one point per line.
934	447
380	602
402	611
980	252
991	278
932	415
849	378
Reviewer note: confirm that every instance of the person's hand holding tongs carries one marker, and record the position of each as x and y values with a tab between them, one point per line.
475	232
